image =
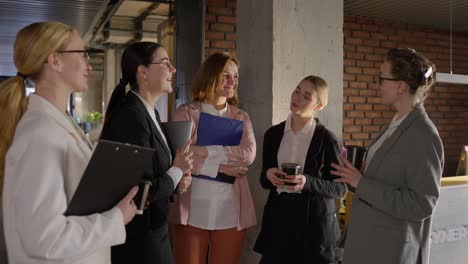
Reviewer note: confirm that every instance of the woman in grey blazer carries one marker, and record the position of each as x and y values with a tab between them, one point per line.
397	192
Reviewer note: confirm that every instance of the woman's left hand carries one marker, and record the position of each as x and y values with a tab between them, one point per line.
347	173
234	171
298	180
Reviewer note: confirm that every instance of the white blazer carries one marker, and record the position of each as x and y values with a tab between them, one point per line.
42	170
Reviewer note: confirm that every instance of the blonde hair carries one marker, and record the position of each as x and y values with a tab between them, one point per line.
207	79
321	88
33	45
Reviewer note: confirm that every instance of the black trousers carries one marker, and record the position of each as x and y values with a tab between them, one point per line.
151	247
287	234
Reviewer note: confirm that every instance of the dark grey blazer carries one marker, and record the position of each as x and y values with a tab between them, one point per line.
147	237
3	252
390	218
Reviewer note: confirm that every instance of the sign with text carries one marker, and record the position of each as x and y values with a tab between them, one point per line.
449	235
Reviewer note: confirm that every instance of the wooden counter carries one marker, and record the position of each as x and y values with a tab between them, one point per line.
457	180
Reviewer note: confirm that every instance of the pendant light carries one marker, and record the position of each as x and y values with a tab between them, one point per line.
450	77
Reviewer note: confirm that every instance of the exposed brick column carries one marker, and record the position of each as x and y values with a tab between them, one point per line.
220	26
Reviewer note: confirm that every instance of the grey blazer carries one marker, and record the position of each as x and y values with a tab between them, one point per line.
390	218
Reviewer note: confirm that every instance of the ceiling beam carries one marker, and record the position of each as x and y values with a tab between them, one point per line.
105	18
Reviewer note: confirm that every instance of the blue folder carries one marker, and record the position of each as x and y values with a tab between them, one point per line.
215	130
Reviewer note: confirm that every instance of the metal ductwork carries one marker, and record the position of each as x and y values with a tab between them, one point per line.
130	21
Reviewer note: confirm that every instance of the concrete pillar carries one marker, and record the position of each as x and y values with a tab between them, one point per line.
278	43
112	72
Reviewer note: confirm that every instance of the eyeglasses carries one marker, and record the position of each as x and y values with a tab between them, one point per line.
166	63
381	79
85	52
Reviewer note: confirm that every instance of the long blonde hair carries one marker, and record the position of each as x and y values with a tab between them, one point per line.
33	45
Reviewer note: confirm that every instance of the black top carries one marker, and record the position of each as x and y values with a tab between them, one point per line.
316	203
131	123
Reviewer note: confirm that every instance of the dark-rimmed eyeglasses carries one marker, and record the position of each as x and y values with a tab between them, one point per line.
381	79
168	64
85	52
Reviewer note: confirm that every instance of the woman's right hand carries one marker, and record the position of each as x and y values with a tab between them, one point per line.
274	176
184	158
347	173
185	182
127	205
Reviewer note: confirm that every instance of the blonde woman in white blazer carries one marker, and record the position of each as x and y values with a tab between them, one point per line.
45	153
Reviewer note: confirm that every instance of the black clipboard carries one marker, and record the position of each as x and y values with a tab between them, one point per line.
113	170
177	133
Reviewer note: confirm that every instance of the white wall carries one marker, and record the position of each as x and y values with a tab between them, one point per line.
308	40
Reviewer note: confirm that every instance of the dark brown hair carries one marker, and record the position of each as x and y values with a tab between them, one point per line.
412	68
136	54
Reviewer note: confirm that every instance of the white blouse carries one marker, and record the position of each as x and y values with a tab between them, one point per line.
391	128
294	146
212	203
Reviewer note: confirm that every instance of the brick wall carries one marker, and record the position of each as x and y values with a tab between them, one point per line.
220	26
365	44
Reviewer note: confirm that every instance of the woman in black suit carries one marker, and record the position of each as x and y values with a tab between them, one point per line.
299	222
131	118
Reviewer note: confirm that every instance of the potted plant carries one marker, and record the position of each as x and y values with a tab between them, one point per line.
93	125
94	117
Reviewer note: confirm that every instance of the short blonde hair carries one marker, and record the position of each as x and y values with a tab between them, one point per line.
207	79
33	45
320	87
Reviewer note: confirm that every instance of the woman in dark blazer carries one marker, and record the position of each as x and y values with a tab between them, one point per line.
299	223
131	118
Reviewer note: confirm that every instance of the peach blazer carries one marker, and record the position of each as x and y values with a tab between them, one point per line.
242	155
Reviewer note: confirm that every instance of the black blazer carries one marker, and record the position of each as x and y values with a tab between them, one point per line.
147	237
319	193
